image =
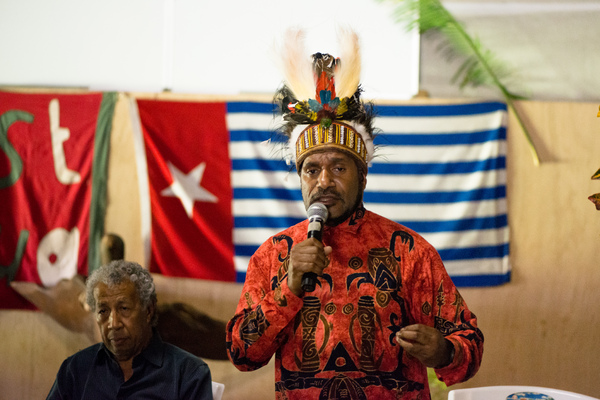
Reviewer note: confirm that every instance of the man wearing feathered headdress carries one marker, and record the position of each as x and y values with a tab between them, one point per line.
383	308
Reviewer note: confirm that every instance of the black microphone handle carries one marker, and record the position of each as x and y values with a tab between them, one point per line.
309	281
316	234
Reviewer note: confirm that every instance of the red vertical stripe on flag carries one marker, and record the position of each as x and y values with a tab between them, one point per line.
190	191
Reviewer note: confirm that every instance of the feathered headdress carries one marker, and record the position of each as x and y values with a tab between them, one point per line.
320	100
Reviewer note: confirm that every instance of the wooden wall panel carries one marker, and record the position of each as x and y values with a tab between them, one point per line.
541	329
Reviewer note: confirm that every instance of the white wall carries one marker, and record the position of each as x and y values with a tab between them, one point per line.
196	46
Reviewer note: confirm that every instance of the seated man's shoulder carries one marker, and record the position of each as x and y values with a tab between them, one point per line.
83	357
182	356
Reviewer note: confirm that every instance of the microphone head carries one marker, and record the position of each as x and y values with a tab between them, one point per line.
317	210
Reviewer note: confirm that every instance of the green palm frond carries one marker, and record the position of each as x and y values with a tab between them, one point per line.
480	67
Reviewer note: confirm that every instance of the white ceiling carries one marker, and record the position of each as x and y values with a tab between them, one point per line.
553	48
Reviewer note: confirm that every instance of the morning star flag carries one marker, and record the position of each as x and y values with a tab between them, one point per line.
440	170
53	171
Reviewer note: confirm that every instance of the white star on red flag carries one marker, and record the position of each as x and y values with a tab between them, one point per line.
187	188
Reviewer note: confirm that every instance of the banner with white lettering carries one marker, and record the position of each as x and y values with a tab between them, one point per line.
53	172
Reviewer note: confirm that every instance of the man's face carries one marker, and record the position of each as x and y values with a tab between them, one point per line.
125	326
332	178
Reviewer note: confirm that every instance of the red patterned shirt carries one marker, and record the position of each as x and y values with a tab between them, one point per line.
338	342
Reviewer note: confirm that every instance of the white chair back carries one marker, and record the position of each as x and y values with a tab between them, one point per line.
217	390
514	393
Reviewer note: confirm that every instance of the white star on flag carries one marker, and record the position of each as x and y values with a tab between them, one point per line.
187	188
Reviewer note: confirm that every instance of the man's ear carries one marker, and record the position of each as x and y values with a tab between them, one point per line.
363	174
151	310
361	171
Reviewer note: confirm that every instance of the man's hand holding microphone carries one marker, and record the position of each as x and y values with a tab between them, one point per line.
309	258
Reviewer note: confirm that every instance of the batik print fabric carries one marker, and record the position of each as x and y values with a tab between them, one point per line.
339	341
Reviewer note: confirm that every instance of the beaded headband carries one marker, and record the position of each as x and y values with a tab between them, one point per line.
337	136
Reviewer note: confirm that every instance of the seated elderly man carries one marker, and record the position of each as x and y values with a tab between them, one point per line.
132	361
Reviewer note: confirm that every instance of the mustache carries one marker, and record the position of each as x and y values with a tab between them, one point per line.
330	192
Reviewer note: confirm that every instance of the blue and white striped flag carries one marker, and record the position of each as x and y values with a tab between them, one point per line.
439	169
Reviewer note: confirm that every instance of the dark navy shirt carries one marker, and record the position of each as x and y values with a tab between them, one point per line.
160	371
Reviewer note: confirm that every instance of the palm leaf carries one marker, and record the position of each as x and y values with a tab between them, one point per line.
480	66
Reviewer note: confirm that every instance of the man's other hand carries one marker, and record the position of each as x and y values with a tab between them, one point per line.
426	344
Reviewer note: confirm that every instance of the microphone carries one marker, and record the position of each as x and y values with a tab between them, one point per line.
317	215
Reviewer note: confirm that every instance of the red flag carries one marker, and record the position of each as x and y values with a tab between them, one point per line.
52	181
187	158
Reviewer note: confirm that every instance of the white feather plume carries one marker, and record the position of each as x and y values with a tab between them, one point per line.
367	138
291	154
347	76
296	65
